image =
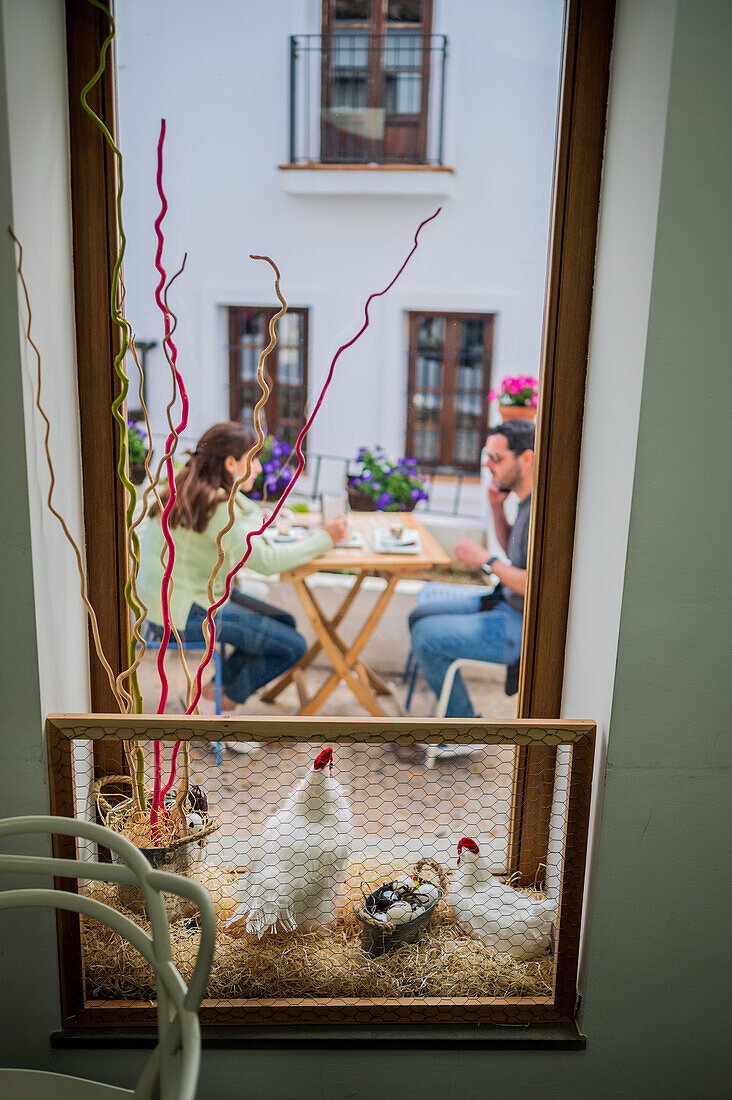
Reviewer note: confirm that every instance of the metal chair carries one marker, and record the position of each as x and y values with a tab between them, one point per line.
172	1071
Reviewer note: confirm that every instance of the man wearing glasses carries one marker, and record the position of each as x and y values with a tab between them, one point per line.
483	627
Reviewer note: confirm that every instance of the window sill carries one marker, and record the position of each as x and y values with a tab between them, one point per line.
564	1036
367	179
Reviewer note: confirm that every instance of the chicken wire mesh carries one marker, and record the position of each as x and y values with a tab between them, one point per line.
422	872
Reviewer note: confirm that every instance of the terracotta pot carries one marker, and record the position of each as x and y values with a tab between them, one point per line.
517	412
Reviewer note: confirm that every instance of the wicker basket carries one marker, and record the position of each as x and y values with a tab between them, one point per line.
359	501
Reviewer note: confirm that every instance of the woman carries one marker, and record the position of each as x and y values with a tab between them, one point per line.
265	641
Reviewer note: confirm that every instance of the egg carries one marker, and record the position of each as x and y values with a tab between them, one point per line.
418	911
194	822
404	882
427	894
399	913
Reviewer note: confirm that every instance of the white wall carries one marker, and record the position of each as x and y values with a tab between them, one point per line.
221	82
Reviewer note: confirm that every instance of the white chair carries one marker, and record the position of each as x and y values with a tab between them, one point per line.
172	1070
434	751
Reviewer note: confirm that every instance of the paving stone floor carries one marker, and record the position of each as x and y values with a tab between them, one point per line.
400	806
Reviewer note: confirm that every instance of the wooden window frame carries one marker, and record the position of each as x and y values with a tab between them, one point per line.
578	163
272	412
377	26
450	368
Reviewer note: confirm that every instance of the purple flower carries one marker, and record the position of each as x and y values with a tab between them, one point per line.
286	475
409	461
362	452
366	476
416	494
255	495
269	467
384	500
270	483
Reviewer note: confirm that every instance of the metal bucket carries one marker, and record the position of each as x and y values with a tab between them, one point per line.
182	859
377	941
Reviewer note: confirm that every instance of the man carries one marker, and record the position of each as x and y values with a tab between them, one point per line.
483	627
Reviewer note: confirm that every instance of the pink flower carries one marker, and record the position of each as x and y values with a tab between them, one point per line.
535	400
504	384
492	395
513	386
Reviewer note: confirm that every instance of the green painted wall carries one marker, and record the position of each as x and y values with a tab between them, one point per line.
656	995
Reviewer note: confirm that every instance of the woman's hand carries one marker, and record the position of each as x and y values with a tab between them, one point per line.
337	529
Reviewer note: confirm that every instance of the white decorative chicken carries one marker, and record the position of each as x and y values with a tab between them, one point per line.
512	923
299	865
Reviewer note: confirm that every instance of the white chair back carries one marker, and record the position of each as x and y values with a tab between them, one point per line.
172	1071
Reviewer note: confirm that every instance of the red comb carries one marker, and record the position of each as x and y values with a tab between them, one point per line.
323	759
469	843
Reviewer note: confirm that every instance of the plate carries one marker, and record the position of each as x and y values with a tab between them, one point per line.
385	543
296	534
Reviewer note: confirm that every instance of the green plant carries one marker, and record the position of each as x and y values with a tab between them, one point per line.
137	443
275	474
393	486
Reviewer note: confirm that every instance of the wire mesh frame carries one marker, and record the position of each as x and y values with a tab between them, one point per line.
579	737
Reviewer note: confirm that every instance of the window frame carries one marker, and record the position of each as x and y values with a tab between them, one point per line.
450	364
272	412
376	27
578	162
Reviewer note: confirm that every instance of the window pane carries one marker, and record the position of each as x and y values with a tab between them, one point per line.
426	445
403	93
288	329
470	376
427	409
403	50
351	50
467	447
471	337
429	372
404	11
348	11
288	367
430	332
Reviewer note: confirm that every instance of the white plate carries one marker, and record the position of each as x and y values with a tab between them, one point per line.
354	541
385	543
296	534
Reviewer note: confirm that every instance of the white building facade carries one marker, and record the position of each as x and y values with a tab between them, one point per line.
295	147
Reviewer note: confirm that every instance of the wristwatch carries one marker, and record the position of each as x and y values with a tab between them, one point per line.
488	566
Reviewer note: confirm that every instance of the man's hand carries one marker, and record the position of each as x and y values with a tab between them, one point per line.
471	553
496	496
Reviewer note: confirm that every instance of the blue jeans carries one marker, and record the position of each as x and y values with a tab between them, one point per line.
452	626
266	643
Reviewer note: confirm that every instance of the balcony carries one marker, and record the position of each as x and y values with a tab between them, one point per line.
365	101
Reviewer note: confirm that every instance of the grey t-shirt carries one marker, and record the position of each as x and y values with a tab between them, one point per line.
518	549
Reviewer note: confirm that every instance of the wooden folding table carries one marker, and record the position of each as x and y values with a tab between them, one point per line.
364	683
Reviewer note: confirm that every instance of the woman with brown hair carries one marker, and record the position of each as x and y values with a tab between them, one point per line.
265	639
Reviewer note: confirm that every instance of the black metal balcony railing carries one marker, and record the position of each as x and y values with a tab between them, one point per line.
358	98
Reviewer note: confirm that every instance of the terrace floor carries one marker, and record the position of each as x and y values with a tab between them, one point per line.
417	811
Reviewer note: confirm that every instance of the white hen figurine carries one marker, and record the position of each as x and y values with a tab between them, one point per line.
299	865
511	922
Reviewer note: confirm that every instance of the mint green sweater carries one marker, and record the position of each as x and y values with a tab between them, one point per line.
195	556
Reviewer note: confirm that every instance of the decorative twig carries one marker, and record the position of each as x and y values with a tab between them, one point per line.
121	697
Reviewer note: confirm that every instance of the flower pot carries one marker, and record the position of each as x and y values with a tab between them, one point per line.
137	473
359	501
517	412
